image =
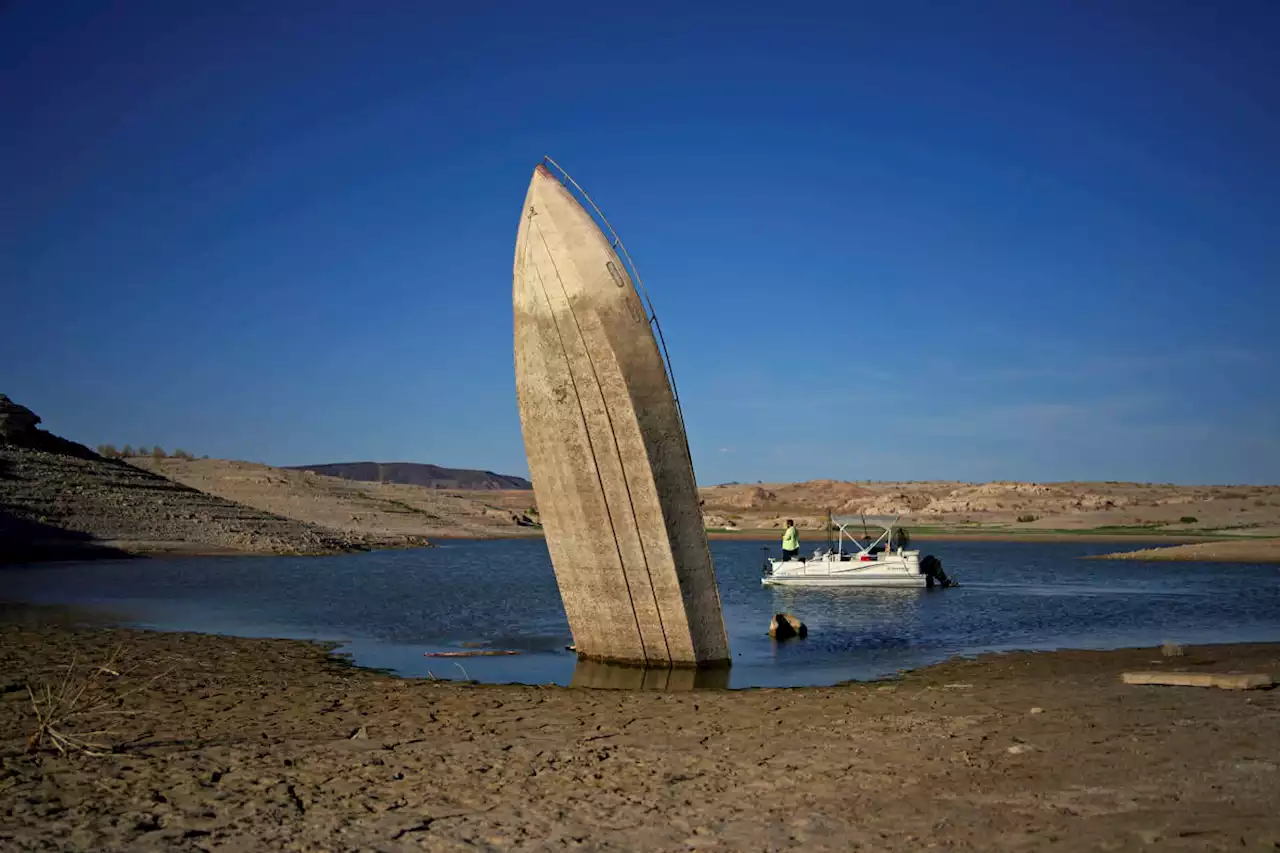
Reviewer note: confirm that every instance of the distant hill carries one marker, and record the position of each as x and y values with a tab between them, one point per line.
418	474
61	501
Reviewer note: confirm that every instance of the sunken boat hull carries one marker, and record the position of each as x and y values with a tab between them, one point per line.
606	446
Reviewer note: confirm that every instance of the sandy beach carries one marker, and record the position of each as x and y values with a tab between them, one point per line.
1221	551
243	744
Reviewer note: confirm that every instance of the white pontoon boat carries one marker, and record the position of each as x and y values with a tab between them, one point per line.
884	562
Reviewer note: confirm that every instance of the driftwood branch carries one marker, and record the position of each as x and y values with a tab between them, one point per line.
1223	680
79	694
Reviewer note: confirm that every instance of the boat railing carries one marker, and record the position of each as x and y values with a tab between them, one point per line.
623	255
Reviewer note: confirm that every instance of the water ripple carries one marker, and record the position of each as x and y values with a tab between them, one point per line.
390	607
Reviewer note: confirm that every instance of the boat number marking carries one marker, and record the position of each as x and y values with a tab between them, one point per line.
617	276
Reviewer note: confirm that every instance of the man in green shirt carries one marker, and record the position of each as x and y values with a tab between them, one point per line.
791	542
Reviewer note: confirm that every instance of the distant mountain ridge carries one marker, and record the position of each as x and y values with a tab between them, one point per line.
417	474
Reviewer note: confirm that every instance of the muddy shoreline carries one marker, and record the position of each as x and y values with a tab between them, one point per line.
1218	551
275	744
1264	551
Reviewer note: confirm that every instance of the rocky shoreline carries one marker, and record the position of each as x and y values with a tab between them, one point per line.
232	743
61	501
55	506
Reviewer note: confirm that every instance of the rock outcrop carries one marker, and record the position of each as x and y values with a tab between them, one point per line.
17	423
784	626
60	500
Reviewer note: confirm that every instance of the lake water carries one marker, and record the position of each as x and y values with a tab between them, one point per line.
388	608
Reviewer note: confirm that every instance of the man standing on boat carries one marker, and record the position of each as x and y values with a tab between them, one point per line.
791	542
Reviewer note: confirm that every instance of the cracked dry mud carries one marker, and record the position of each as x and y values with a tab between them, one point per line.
247	744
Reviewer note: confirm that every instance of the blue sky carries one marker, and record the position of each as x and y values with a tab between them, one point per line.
898	240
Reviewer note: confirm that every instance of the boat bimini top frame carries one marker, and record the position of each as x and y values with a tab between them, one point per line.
838	529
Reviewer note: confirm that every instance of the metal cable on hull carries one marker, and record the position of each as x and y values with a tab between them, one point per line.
625	256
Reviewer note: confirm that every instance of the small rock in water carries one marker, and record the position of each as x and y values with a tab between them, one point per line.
785	626
1172	650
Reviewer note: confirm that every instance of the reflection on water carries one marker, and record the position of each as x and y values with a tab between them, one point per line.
389	608
613	676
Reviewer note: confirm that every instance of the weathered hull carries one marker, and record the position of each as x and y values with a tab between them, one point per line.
611	676
606	447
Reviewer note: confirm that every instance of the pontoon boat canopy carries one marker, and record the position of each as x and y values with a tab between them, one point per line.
882	521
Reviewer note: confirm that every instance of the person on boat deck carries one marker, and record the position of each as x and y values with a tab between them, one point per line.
790	541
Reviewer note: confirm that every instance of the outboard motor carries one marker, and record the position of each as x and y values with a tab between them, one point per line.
766	569
931	568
